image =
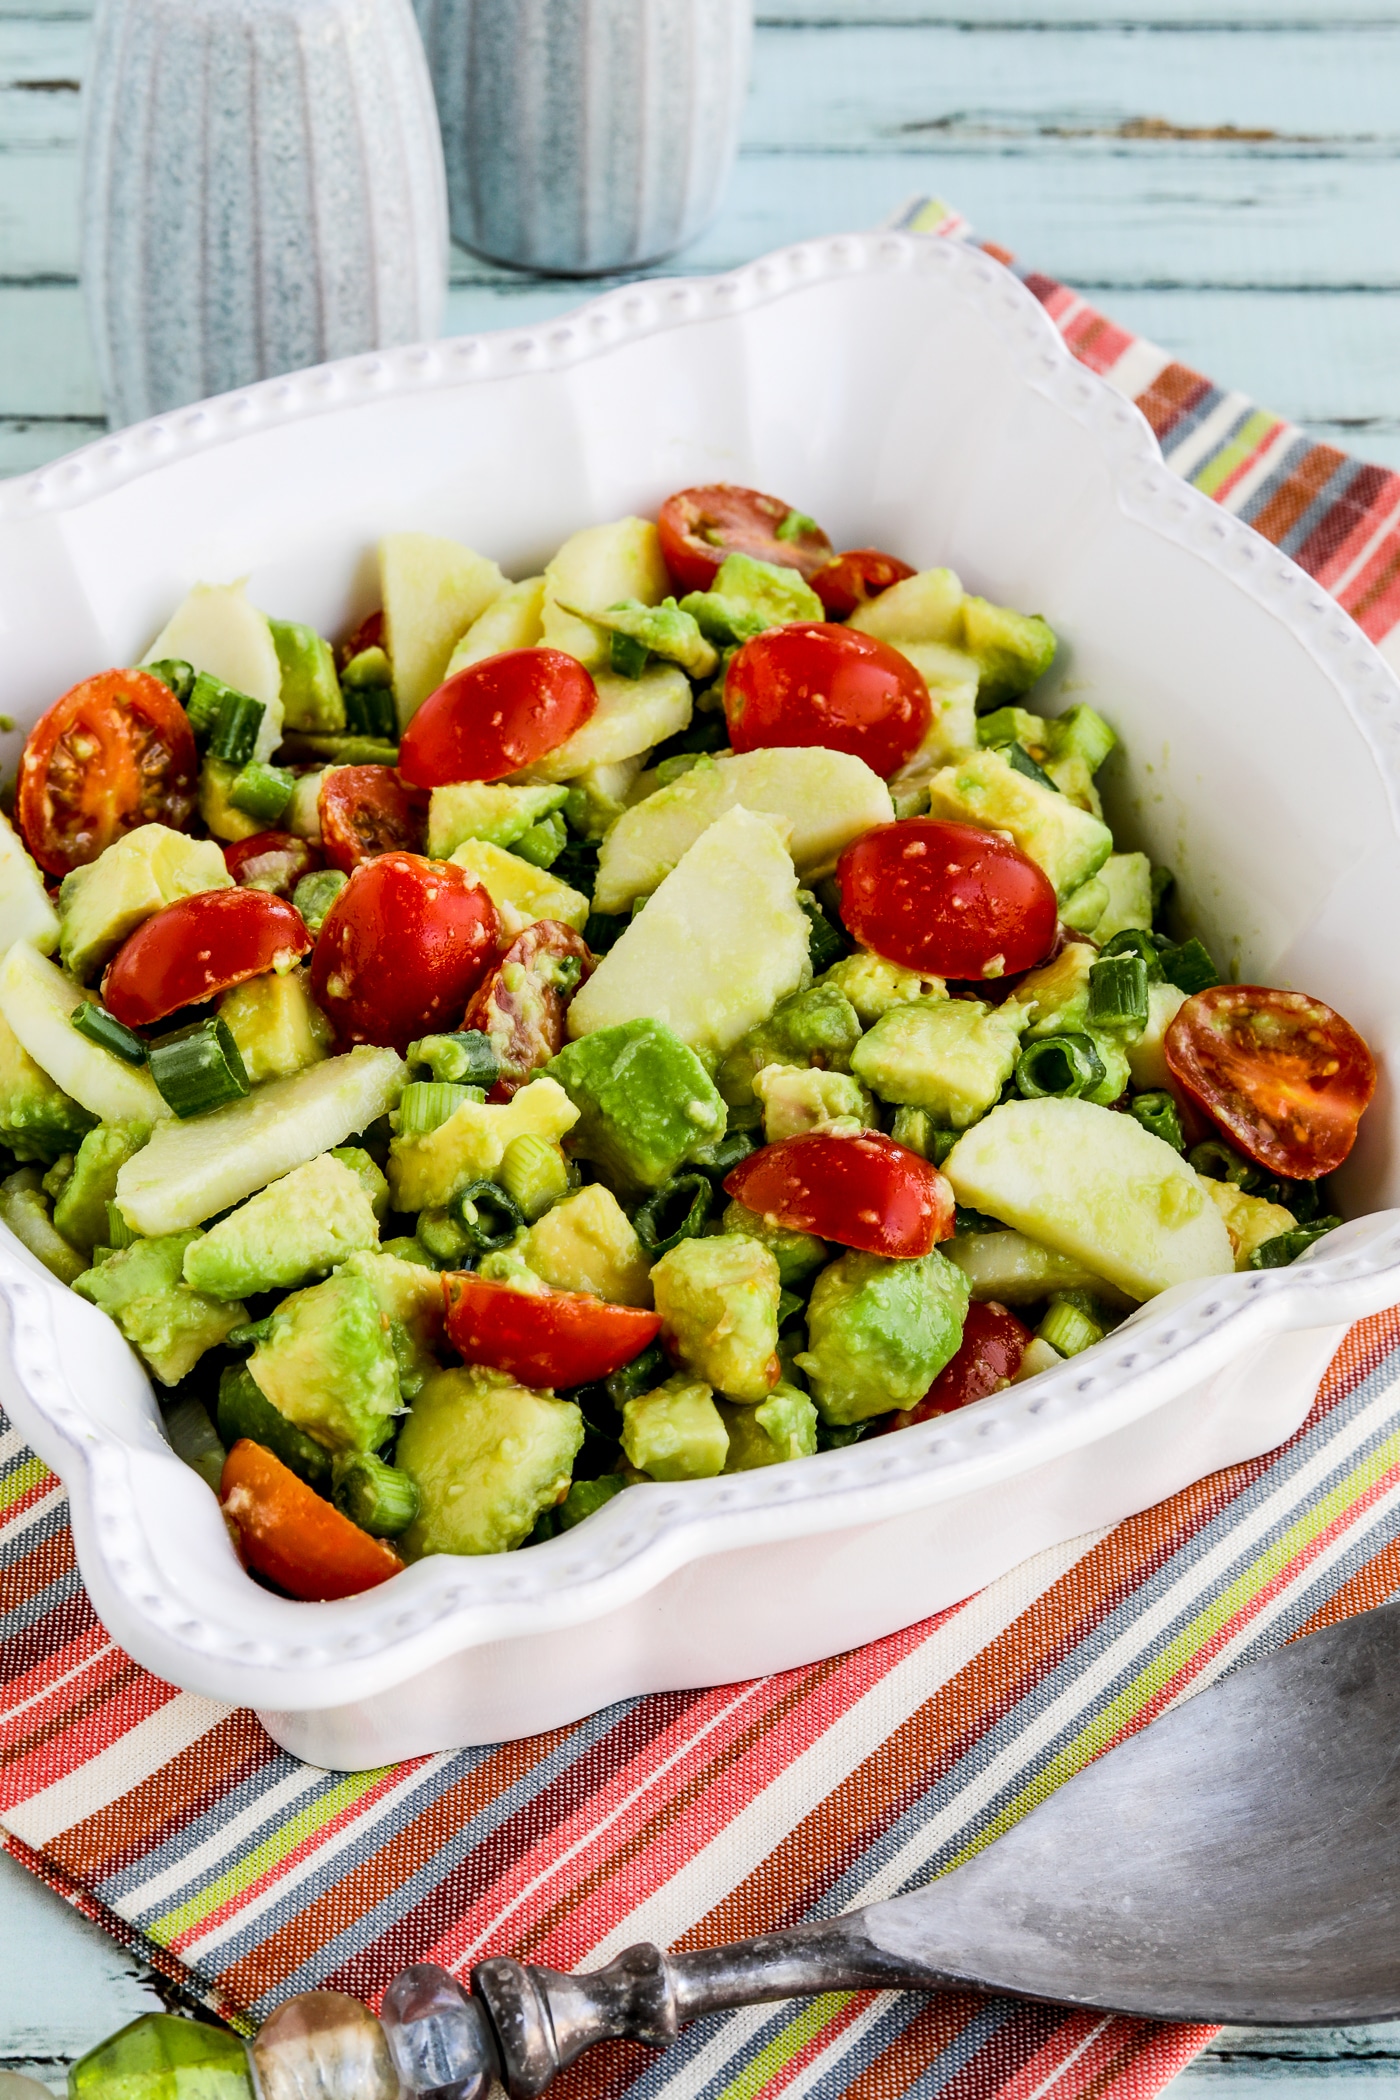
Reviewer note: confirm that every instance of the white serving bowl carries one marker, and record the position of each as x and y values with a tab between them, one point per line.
911	394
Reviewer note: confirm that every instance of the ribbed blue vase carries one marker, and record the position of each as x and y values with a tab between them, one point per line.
262	189
584	136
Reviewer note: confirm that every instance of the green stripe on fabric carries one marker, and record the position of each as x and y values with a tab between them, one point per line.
31	1474
779	2053
1216	470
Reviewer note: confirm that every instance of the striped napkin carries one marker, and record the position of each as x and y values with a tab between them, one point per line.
243	1875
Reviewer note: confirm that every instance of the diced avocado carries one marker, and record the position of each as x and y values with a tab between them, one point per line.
190	1171
520	892
1016	725
1067	842
781	1427
1072	777
1147	1057
369	1176
37	1000
369	670
487	1457
717	946
1081	732
1128	877
598	796
433	589
1084	907
1094	1185
748	596
879	1332
216	629
1014	1270
328	1363
596	568
277	1025
675	1432
631	716
137	875
25	911
644	1101
142	1287
81	1211
828	797
1249	1220
587	1243
243	1409
950	1056
311	695
798	1098
37	1119
718	1301
660	630
799	1255
923	608
287	1235
25	1211
410	1299
876	987
216	778
1012	649
429	1170
489	810
511	621
816	1026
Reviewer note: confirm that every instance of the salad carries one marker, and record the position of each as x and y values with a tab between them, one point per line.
676	1013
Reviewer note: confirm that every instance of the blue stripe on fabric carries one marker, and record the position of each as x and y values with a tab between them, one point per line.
1232	431
1191	421
65	1589
25	1535
1331	493
1290	458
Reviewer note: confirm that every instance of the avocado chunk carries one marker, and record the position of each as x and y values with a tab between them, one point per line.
645	1102
216	805
1069	843
142	1288
1147	1057
369	1176
675	1432
288	1235
1012	649
923	608
328	1364
950	1056
277	1025
428	1170
137	876
311	695
879	1332
799	1098
875	987
1128	879
718	1301
598	567
489	810
660	630
817	1026
37	1119
781	1427
487	1456
81	1211
409	1298
587	1243
748	596
799	1255
25	1211
521	892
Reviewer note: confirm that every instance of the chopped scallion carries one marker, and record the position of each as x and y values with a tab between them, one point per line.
467	1058
1285	1247
174	672
245	1411
426	1105
626	655
1020	761
795	526
827	942
204	703
487	1215
262	791
604	930
677	1211
198	1068
1220	1162
1133	941
443	1239
534	1174
108	1032
640	1376
1068	1327
1118	993
1158	1113
724	1155
370	711
1188	965
316	893
119	1233
379	1498
236	732
1065	1065
543	843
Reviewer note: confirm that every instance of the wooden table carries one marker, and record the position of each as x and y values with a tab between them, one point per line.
1222	175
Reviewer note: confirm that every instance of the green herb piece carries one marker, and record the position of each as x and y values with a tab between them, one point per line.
677	1211
378	1497
1158	1113
1277	1253
1188	965
174	672
465	1057
198	1068
426	1105
1066	1065
487	1216
108	1032
1118	993
262	791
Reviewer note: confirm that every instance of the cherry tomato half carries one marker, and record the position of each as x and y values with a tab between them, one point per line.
521	1005
271	860
402	949
198	947
699	527
1285	1077
115	752
497	716
364	810
865	1191
854	578
289	1534
816	683
368	635
989	1356
559	1338
947	899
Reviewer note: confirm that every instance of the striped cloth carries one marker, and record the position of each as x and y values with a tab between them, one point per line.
692	1818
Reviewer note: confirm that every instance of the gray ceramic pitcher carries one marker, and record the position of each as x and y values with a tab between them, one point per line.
584	136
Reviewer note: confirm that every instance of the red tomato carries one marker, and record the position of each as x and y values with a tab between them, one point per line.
115	752
988	1358
560	1339
949	900
289	1534
402	949
271	860
698	527
368	635
853	579
815	683
497	716
196	948
865	1191
1285	1077
364	811
521	1005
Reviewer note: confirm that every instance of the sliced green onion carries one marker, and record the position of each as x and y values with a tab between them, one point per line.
1187	965
262	791
586	1496
1067	1327
1277	1253
577	864
198	1068
826	942
1118	993
795	526
640	1376
534	1174
1020	761
467	1058
119	1233
381	1499
1306	1199
724	1155
192	1437
316	893
1062	1065
174	672
204	703
543	843
837	1437
1082	732
236	731
1220	1162
676	1211
108	1032
1158	1113
790	1303
338	748
626	655
427	1104
1133	941
605	929
487	1215
246	1411
370	711
443	1238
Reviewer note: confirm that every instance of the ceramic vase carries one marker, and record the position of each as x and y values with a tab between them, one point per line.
262	189
584	136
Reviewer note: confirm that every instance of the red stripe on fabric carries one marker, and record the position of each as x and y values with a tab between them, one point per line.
116	1695
1371	1586
1344	518
1054	2065
1272	441
49	1560
29	1499
1358	525
72	1618
1096	341
1172	395
1373	595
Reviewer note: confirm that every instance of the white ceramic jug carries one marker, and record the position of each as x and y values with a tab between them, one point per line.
586	135
262	189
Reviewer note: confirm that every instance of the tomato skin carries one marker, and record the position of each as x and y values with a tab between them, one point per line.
112	753
497	716
700	526
816	683
866	1192
271	860
1285	1077
368	635
989	1356
402	949
198	947
559	1339
364	810
287	1533
854	578
949	900
522	1004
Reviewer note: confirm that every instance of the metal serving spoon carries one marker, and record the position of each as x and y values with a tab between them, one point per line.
1238	1861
